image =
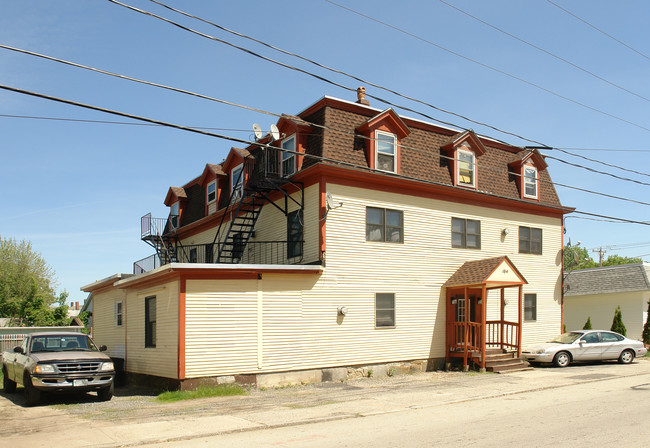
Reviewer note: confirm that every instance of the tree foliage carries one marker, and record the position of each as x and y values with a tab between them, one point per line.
27	285
617	323
576	257
587	324
646	327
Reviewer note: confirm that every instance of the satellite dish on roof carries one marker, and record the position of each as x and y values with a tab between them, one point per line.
257	129
275	132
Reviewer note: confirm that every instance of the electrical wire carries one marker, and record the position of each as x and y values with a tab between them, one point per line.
602	163
248	142
627	179
474	61
553	55
337	71
340	72
599	30
33	117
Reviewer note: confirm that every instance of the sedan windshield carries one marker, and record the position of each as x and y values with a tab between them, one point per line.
566	338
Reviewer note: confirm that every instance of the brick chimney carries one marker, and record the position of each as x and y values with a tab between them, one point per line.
361	96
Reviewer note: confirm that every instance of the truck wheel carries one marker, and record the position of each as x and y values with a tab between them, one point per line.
8	385
105	394
32	395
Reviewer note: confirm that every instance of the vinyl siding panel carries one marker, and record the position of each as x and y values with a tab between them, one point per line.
105	329
161	360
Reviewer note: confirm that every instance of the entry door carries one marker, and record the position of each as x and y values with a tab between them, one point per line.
461	303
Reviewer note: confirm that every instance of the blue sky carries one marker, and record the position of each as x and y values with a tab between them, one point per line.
77	190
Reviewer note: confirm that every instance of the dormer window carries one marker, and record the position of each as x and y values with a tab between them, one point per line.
462	151
385	154
211	192
237	182
465	174
288	157
530	182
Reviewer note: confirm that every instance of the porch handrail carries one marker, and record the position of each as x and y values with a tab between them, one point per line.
502	334
464	336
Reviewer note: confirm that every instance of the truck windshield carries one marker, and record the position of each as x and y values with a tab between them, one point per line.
60	343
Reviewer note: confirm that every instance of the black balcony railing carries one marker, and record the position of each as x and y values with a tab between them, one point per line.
146	264
257	252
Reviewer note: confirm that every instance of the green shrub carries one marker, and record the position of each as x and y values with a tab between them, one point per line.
588	324
617	323
646	327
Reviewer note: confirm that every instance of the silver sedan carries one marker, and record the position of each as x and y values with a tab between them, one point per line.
586	345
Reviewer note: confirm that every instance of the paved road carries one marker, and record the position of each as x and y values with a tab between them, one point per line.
610	412
601	404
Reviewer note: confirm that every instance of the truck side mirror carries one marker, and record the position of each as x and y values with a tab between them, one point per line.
103	348
19	350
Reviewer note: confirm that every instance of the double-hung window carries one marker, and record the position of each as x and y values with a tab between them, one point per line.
530	240
465	233
385	144
384	224
150	321
211	192
294	234
237	182
530	307
289	156
385	309
530	182
465	168
173	214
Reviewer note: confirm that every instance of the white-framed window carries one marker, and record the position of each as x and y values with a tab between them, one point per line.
530	182
288	158
384	309
237	181
386	149
173	214
211	192
465	168
119	313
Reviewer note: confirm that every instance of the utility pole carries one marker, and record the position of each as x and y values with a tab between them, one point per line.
600	252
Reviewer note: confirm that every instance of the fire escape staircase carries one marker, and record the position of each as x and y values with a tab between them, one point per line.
160	233
245	206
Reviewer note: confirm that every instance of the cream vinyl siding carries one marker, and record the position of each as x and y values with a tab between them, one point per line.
290	321
272	225
417	269
221	327
601	307
105	330
161	360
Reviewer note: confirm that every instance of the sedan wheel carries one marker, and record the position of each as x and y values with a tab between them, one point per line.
626	357
562	359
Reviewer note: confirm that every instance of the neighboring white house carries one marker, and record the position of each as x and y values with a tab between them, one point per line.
595	293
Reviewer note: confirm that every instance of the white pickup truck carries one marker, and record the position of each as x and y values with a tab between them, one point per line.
58	362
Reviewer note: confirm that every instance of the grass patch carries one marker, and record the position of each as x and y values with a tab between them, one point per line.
222	390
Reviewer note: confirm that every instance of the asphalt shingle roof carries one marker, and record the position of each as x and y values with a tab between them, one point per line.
609	279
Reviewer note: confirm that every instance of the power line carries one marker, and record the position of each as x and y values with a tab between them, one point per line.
113	122
553	55
248	142
474	61
340	72
627	179
323	66
602	163
603	149
599	30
